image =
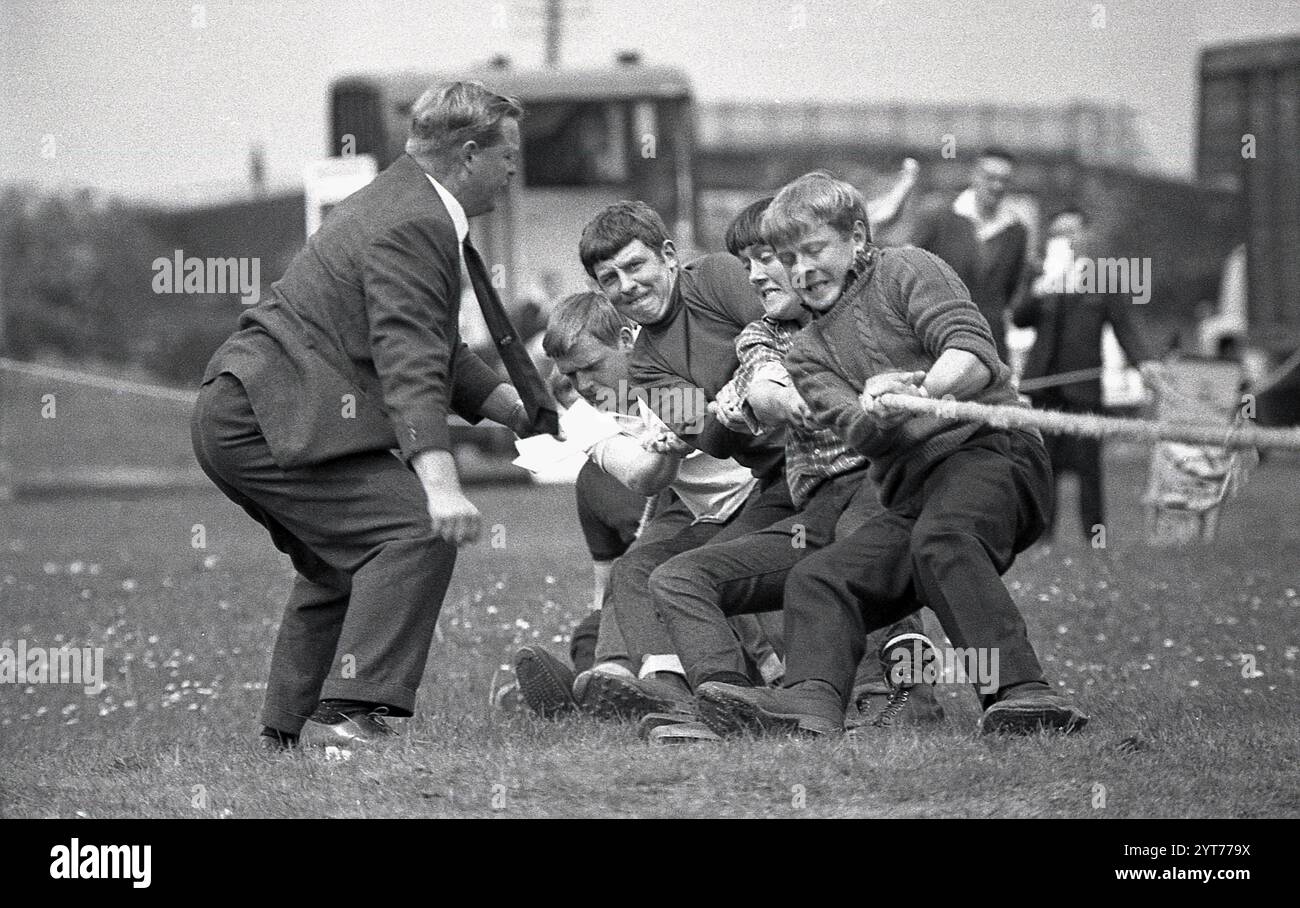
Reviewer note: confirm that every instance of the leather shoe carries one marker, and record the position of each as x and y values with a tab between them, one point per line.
808	708
362	723
1031	711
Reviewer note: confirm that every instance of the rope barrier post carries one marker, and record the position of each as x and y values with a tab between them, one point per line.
1187	485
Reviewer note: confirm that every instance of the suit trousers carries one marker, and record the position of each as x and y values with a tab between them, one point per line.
371	574
696	592
947	545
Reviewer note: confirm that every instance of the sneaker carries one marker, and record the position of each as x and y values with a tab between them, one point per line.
903	707
903	657
545	682
809	708
906	701
681	733
354	723
1030	712
621	695
908	707
865	695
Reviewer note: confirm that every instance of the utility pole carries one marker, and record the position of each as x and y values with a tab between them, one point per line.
6	471
554	30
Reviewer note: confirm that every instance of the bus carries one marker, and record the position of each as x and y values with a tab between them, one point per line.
589	137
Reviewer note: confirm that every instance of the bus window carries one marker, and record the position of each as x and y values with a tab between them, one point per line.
575	144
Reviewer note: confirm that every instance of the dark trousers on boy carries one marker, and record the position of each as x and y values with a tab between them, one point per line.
696	592
946	542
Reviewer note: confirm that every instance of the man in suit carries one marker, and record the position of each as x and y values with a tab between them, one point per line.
1068	345
982	239
325	417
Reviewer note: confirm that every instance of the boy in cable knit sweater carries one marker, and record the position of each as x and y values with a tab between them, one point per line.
961	499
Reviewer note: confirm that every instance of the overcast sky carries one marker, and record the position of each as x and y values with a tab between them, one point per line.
164	97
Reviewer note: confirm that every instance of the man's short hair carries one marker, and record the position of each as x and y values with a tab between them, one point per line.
745	229
617	225
815	198
579	314
448	115
997	151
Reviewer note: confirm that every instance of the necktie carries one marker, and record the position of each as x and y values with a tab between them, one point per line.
542	413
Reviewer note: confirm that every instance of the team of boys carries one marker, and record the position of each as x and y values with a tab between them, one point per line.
793	533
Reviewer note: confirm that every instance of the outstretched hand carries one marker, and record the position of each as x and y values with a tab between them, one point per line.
663	440
780	405
728	408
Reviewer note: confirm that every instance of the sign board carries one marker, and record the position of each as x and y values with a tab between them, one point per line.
331	180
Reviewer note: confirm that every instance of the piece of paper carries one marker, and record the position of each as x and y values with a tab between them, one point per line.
543	453
584	426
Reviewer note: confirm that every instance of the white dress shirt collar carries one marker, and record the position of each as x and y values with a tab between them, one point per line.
454	208
1003	218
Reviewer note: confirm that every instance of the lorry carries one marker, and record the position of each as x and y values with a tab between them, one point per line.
1248	143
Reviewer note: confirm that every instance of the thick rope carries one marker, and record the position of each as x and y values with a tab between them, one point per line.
1010	417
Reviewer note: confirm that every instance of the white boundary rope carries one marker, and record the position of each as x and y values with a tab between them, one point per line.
140	389
1056	423
1060	378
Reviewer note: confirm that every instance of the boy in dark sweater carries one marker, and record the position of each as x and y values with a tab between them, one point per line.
960	499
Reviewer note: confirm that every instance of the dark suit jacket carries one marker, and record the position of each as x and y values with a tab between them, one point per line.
994	276
694	348
357	347
1069	338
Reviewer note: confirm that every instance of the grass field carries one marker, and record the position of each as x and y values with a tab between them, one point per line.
1153	643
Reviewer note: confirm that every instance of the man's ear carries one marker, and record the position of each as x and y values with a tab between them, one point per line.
669	252
468	152
626	338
